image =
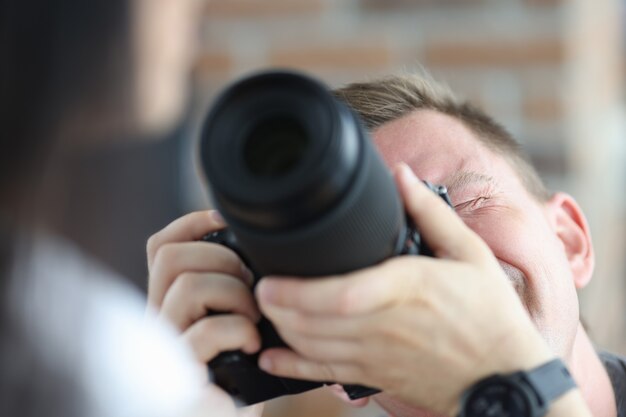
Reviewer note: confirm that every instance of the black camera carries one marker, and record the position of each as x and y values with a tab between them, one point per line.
295	175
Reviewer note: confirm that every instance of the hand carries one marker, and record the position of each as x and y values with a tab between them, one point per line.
216	403
190	278
422	329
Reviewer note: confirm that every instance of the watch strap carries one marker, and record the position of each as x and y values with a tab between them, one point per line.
527	392
549	381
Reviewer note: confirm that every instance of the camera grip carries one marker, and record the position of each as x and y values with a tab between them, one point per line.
237	372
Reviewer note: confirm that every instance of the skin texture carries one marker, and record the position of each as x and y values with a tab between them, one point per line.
188	278
544	248
491	200
456	318
434	317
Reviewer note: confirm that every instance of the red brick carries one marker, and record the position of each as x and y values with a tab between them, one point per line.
333	57
543	109
548	3
212	62
491	53
392	5
255	8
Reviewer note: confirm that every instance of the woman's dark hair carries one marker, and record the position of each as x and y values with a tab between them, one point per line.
54	54
56	57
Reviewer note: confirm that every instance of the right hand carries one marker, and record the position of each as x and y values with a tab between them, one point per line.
190	278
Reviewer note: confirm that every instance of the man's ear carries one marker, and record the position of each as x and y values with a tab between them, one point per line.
573	231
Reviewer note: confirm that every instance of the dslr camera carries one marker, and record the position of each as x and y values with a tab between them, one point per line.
296	177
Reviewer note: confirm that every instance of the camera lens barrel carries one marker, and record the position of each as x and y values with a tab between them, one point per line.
296	177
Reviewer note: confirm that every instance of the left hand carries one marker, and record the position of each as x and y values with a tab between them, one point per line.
421	329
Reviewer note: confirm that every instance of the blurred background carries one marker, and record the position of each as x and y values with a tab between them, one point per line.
552	71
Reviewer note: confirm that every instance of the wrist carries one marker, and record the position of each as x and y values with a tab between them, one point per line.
570	404
520	350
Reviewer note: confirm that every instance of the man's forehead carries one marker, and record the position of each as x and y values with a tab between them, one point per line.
425	125
439	148
427	138
462	179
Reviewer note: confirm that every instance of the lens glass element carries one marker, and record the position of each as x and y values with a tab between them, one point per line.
274	146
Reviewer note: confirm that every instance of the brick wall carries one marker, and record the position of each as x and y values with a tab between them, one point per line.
549	70
509	56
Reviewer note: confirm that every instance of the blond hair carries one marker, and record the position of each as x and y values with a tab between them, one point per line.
383	100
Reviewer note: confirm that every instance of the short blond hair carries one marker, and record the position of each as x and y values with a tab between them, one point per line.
386	99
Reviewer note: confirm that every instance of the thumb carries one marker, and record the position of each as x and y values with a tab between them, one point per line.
440	227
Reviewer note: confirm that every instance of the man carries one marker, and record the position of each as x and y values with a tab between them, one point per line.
373	326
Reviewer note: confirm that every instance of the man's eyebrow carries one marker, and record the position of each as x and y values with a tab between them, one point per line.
462	179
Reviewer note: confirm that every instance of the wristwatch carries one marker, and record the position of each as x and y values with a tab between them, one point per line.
519	394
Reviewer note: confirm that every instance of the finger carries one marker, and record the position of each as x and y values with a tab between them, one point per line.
357	293
442	229
216	334
338	391
190	227
214	399
315	325
287	363
327	295
254	410
323	349
193	294
173	259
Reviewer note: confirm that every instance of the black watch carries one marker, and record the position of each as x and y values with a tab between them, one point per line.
520	394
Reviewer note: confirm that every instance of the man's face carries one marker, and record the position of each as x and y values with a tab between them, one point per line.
490	198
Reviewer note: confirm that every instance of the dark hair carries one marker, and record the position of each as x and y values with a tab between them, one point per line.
56	57
53	55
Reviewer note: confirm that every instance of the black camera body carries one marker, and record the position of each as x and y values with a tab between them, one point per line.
303	191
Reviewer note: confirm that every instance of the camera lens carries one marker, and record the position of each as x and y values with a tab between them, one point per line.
274	146
298	179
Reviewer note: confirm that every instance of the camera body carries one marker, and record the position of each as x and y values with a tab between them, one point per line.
238	373
296	177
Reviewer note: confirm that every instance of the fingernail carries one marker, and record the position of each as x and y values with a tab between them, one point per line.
217	217
247	274
267	291
265	363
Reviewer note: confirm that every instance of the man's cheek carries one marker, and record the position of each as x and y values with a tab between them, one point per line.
519	282
512	238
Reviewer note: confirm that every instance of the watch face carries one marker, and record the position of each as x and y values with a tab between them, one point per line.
497	398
